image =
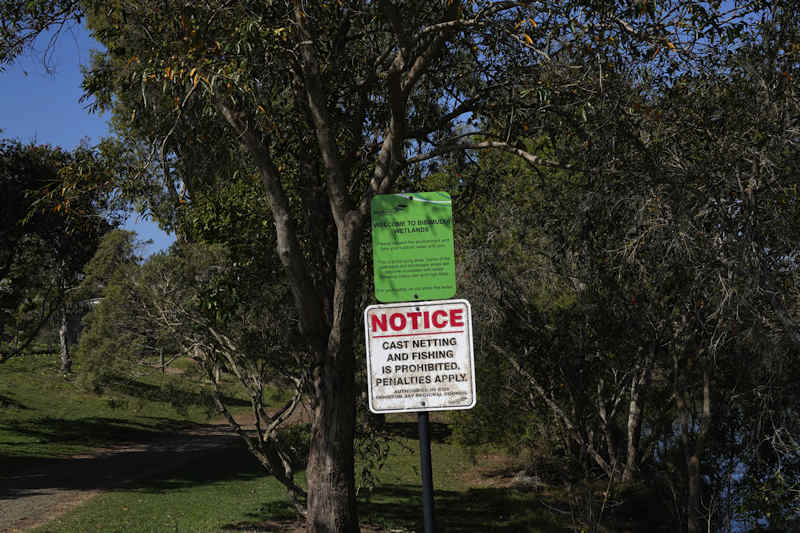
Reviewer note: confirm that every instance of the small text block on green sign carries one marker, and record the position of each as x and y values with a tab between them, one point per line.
412	247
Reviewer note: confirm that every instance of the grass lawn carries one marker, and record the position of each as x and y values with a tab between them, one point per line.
466	498
226	492
223	491
45	416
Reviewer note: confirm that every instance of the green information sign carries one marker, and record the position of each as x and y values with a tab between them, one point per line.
412	247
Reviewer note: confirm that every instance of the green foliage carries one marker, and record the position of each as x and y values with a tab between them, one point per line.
666	252
296	439
50	224
25	20
114	255
637	264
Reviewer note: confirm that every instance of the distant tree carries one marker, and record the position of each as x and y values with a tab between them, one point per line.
197	302
52	220
115	252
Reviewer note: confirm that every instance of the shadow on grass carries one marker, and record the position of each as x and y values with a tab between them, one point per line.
476	510
204	467
272	516
93	431
155	466
7	402
171	395
399	508
410	430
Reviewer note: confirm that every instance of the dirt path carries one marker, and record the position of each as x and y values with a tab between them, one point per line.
31	494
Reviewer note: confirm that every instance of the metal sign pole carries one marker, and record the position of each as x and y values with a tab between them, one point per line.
427	470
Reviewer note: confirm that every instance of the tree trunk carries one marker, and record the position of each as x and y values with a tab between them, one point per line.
693	503
64	337
330	471
693	462
694	453
634	426
331	486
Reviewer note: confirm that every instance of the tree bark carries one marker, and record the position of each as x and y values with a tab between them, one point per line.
331	494
694	451
634	426
64	337
332	507
694	523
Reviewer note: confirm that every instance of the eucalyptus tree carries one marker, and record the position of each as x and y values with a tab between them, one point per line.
325	101
24	22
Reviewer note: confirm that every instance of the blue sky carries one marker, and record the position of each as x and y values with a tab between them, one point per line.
44	108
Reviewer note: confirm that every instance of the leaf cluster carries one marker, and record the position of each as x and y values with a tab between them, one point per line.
51	221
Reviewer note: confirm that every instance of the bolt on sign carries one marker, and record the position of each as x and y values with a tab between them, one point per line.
412	247
419	356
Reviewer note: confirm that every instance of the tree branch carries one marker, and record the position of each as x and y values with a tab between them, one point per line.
531	159
306	300
316	100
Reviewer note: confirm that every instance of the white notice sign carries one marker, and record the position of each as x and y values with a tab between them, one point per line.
419	356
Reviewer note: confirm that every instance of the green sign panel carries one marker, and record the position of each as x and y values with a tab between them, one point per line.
412	247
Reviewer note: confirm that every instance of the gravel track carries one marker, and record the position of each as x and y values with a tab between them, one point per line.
37	490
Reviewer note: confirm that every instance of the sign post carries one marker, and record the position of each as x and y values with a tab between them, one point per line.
426	471
420	359
419	353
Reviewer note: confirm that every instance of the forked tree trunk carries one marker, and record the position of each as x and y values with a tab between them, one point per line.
694	451
331	486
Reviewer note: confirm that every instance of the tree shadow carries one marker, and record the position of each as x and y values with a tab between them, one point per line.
7	402
399	508
231	461
475	510
439	431
272	516
156	465
171	395
94	431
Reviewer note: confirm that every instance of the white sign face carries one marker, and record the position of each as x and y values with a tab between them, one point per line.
419	356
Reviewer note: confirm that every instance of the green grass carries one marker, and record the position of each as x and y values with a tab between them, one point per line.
396	503
226	492
223	491
44	415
